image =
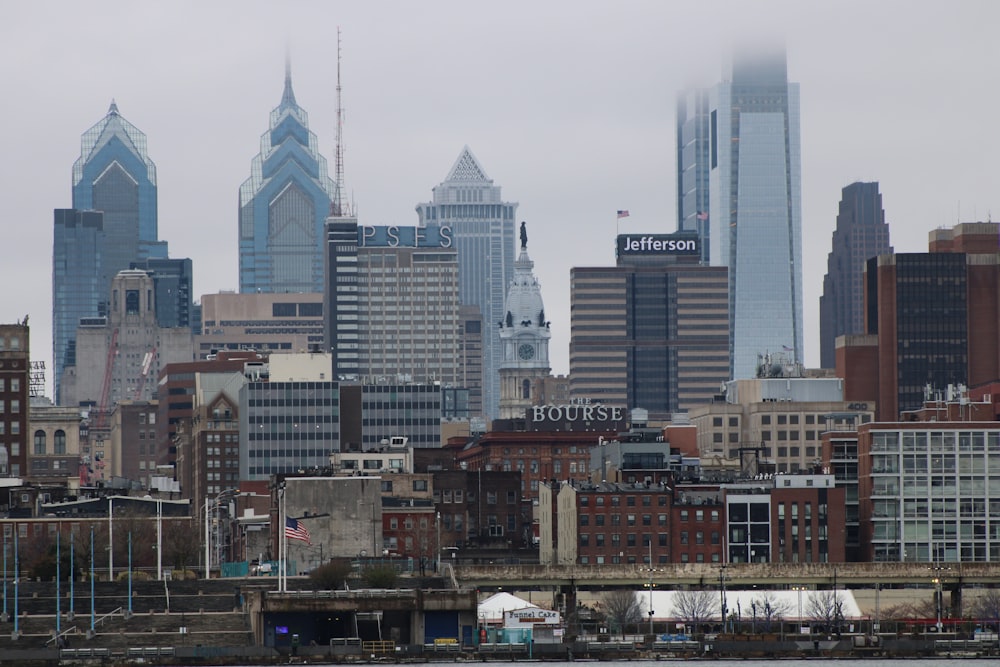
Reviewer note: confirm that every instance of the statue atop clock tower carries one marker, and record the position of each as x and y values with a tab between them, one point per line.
524	336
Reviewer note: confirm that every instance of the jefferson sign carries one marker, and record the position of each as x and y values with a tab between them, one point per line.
657	244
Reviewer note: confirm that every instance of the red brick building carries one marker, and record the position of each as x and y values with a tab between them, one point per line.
596	524
930	318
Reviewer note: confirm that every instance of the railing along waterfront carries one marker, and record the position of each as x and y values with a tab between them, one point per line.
704	574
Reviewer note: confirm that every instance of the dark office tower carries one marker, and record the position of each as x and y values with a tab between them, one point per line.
172	285
651	332
15	386
861	233
931	320
78	237
693	145
112	223
340	298
922	314
756	208
283	206
483	228
470	340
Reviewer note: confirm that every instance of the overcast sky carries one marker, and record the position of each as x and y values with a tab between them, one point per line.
568	105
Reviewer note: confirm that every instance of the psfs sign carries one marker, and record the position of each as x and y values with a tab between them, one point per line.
394	236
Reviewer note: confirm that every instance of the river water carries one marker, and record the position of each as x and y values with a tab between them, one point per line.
813	662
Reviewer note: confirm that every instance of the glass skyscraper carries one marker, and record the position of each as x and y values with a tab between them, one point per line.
861	233
172	284
693	145
112	223
483	228
755	211
283	206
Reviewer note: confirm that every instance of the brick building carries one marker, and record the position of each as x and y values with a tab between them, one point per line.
932	320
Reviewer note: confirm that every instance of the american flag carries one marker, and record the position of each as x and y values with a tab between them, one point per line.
786	348
622	214
702	215
296	530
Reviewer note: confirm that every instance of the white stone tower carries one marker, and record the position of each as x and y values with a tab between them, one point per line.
524	337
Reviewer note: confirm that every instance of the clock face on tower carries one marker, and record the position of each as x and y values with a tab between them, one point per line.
525	351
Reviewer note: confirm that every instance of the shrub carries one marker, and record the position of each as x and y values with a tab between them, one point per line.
380	576
332	575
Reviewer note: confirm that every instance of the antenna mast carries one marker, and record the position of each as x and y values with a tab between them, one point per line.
339	206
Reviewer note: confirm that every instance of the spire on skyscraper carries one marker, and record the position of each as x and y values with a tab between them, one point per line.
113	109
283	205
339	208
288	96
467	168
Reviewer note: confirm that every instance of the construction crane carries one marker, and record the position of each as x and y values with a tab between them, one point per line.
109	368
147	362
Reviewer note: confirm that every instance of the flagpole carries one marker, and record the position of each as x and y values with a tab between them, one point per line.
281	542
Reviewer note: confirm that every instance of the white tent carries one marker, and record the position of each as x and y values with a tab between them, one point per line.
491	609
793	605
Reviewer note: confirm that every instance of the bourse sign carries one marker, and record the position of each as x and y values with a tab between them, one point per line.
576	416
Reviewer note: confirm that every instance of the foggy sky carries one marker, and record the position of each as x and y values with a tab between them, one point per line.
568	105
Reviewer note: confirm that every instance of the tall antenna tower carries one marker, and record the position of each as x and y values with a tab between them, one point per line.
339	207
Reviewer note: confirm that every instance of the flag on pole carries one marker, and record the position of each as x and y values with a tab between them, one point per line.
786	348
296	530
622	214
702	215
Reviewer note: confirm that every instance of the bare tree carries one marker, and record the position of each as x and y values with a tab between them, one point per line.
182	542
621	607
695	607
826	608
768	609
986	608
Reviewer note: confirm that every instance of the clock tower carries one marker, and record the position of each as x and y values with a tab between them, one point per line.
524	337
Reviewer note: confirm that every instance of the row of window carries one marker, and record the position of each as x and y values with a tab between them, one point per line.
15	384
600	501
58	441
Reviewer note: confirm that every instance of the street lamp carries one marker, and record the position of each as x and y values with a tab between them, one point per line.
159	539
208	535
722	594
938	570
111	539
650	543
937	601
799	590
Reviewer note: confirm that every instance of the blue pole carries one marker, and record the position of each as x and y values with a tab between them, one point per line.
92	580
72	572
16	582
5	572
130	573
58	602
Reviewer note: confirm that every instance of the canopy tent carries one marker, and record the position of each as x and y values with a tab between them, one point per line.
791	605
491	609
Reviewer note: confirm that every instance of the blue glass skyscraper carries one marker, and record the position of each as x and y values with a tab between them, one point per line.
112	223
482	225
693	148
283	206
756	208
